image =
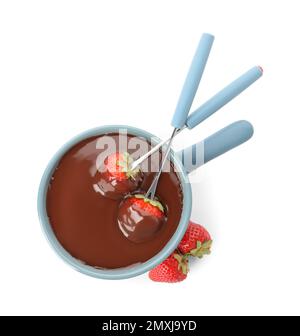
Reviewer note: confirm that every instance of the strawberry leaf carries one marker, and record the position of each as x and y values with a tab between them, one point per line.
178	257
201	249
157	204
125	164
150	201
182	263
184	266
139	196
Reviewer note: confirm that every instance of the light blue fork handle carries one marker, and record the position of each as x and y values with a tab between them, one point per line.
223	97
215	145
192	81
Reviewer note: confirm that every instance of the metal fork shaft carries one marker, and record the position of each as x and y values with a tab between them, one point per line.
151	191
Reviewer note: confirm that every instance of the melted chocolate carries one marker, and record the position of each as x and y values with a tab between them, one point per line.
85	222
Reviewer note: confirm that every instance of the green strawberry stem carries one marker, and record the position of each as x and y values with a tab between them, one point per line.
182	262
152	202
201	249
125	164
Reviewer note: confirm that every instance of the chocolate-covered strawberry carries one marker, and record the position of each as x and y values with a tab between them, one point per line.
115	177
140	218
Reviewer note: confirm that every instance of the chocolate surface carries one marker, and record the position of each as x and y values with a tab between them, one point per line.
85	222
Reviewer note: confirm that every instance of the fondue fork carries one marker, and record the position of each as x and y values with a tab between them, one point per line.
184	103
203	112
187	94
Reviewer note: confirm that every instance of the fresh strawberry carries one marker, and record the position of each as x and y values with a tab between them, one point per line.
118	166
196	241
173	269
149	206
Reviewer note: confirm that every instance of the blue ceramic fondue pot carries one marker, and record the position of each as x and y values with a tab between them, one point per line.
215	145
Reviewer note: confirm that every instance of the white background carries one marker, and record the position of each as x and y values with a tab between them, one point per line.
66	66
